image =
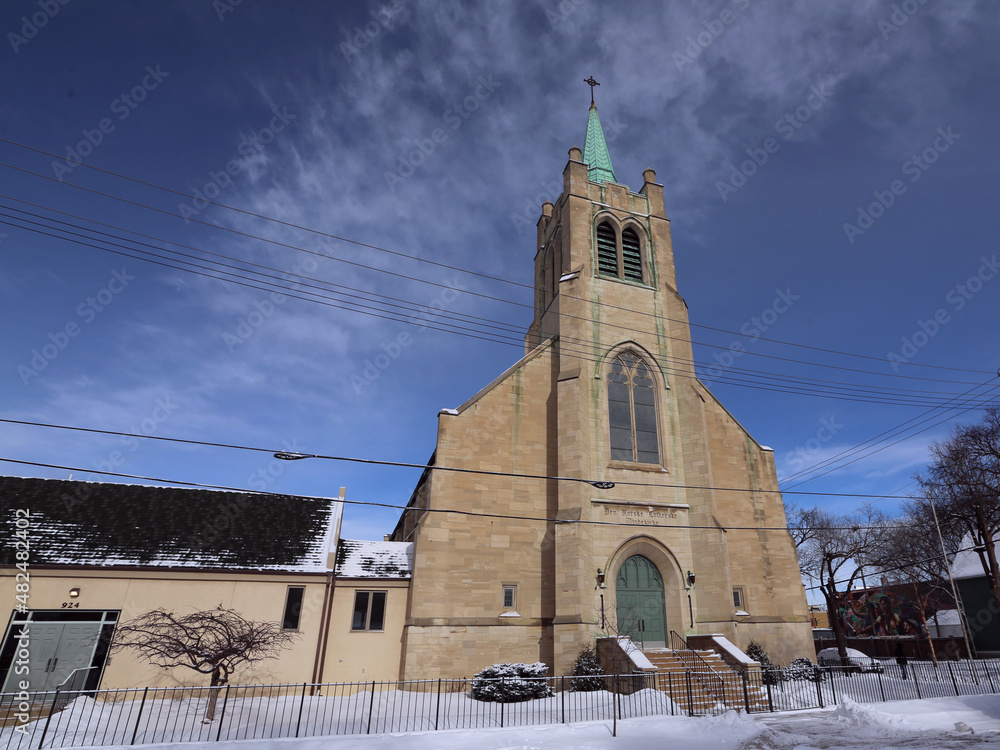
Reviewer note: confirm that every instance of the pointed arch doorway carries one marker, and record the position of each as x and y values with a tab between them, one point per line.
639	603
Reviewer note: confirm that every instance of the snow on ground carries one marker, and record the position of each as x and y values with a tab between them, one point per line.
928	724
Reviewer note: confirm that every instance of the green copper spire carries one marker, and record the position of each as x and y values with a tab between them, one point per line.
595	151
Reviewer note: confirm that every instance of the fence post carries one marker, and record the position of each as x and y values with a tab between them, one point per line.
880	686
52	709
656	688
137	716
953	682
437	709
770	703
833	683
690	698
916	682
222	713
819	687
746	695
614	713
302	705
371	707
562	689
670	687
986	668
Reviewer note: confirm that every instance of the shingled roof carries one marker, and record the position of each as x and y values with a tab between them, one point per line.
93	523
363	559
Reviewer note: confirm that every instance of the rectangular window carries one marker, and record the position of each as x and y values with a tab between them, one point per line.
293	608
738	598
509	596
369	610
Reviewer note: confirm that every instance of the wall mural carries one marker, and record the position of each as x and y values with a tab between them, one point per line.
889	612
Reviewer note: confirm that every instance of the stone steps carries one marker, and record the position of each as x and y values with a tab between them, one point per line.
712	680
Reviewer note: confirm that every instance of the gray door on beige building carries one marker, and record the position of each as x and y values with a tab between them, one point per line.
57	648
639	603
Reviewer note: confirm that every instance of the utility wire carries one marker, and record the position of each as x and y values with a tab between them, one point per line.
708	366
855	392
224	488
409	465
851	451
878	569
374	247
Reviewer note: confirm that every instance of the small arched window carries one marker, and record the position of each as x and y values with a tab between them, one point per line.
607	250
631	256
632	411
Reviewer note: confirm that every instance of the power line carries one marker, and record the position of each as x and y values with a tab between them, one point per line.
409	465
478	294
404	508
385	250
846	391
879	569
858	448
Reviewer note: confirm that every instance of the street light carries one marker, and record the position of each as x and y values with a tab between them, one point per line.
286	456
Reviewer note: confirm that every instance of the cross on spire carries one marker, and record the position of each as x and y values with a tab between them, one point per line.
592	83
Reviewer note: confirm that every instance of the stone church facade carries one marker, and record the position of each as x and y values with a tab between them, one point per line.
530	563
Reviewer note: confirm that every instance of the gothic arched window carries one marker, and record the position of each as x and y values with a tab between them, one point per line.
632	411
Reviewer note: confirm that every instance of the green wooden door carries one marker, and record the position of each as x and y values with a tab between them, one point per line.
639	603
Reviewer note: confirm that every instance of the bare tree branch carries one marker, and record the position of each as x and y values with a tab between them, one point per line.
212	642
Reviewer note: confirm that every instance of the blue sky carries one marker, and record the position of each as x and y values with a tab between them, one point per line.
771	126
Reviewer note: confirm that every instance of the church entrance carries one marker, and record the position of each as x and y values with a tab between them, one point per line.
639	603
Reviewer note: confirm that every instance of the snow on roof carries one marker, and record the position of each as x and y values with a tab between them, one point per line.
945	617
104	524
967	563
363	559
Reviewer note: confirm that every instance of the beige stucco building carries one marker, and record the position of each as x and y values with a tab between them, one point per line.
530	562
95	555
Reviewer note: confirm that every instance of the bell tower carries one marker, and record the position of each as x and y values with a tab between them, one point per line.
601	245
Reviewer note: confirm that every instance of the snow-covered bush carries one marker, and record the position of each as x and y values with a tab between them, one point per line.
801	669
770	674
587	673
511	683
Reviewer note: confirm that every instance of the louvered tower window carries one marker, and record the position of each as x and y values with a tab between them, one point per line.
631	256
607	251
632	411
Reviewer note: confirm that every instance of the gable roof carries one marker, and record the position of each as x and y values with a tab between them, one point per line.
364	559
102	524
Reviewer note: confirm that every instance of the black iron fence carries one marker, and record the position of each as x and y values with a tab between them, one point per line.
29	721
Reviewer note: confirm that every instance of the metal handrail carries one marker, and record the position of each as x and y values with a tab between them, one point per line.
709	667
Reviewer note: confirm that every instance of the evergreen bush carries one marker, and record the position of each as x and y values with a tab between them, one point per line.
511	683
770	673
587	673
801	669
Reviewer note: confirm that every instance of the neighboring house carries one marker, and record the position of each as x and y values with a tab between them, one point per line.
819	617
977	598
369	607
103	553
691	538
945	624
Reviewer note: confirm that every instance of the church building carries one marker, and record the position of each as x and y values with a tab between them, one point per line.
597	486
